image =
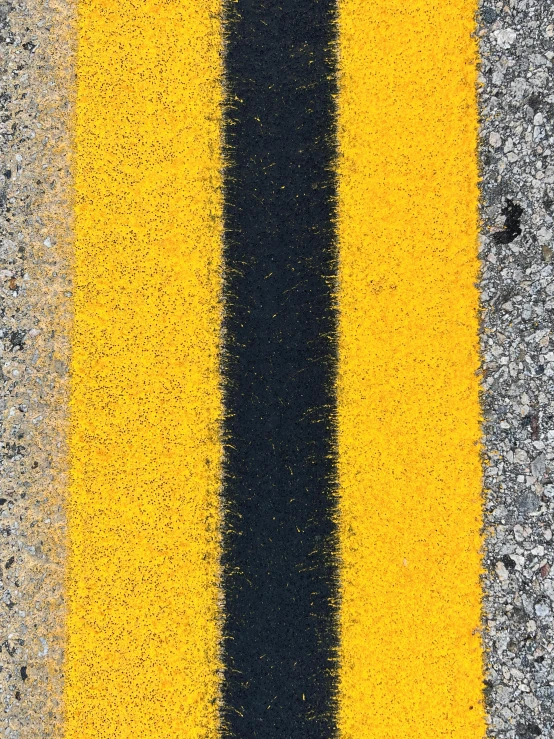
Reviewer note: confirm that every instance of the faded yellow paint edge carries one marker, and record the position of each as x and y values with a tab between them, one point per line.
145	449
409	418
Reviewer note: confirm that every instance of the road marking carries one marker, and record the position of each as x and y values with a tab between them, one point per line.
280	567
410	474
145	447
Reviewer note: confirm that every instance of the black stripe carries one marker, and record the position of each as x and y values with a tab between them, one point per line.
280	359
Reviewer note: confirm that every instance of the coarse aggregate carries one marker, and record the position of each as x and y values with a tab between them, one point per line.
517	293
35	225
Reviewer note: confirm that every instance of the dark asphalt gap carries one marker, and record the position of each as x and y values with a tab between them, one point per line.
279	560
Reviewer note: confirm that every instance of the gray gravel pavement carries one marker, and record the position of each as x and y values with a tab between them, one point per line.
517	110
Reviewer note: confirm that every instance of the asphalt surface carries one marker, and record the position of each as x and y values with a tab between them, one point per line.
517	109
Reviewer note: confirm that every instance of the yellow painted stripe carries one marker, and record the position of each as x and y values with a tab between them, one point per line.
410	473
145	449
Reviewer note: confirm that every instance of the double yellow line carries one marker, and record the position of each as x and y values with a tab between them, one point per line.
410	475
144	508
144	511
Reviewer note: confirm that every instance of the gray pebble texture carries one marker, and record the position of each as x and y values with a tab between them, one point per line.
517	122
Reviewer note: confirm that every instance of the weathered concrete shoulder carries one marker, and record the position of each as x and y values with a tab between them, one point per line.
35	112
